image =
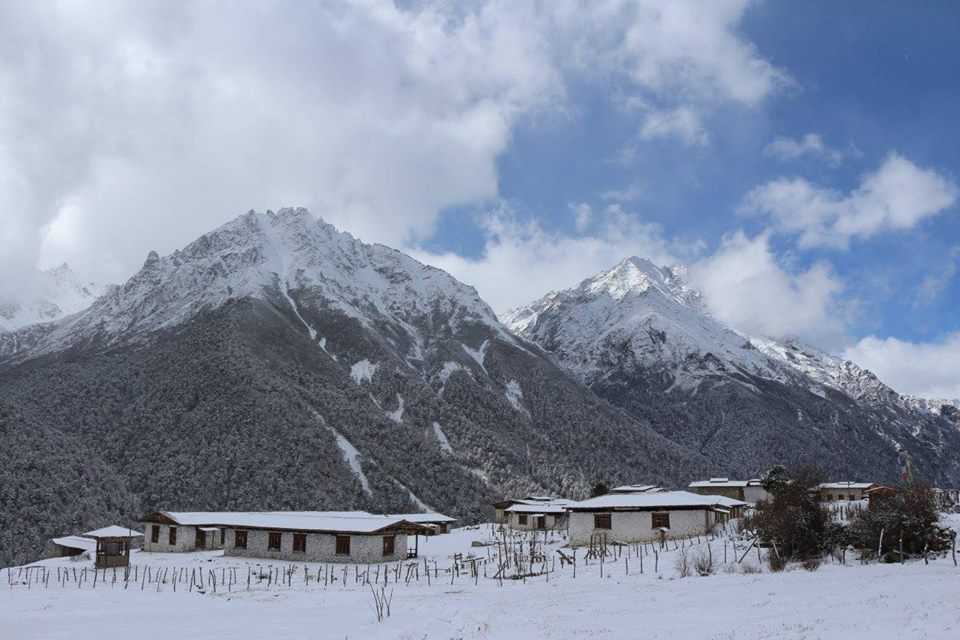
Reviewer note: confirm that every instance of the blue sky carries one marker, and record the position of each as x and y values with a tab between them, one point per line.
800	158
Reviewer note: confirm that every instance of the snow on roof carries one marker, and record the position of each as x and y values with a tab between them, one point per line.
663	499
349	521
636	488
724	501
719	482
76	542
846	485
424	518
113	531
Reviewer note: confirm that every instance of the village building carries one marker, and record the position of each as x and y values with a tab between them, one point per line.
67	546
500	515
751	491
435	523
844	491
642	517
305	536
538	514
109	546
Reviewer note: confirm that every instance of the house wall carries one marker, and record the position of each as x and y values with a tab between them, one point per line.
755	494
553	521
736	493
833	495
321	547
637	526
186	538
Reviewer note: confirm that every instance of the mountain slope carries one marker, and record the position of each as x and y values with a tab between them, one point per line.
640	337
278	363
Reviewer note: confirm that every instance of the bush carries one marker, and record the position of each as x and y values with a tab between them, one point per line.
792	521
683	564
704	563
776	562
811	564
910	515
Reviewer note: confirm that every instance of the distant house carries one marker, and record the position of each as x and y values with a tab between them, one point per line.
641	517
435	522
307	536
844	491
109	546
501	516
539	513
67	546
751	491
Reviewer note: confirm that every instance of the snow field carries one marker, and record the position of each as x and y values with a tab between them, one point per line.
853	601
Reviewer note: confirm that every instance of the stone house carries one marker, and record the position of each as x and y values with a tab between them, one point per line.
305	536
644	517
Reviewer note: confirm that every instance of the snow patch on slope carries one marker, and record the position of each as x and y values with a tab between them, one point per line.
479	355
363	371
514	395
351	455
441	438
397	414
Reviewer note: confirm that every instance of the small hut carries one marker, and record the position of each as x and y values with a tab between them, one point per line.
113	545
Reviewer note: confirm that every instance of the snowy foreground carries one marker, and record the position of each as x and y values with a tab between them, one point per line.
852	601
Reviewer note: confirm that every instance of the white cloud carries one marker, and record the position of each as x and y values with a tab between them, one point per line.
811	144
130	126
549	261
682	122
934	283
926	369
897	196
744	286
583	215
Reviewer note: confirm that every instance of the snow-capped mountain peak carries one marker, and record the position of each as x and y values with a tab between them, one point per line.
288	257
636	276
51	295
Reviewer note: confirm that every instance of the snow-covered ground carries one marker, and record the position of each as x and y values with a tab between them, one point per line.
852	601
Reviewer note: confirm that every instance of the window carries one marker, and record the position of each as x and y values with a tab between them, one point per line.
343	545
155	533
388	545
223	536
172	538
240	539
602	521
661	520
521	518
300	543
273	541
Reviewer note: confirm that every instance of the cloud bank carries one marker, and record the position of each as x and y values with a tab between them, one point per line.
129	126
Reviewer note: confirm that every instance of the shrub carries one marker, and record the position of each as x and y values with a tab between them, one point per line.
704	563
683	564
792	521
909	514
811	564
749	568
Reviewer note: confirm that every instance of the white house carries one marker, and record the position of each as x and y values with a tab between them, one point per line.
307	536
540	514
751	491
436	522
641	517
843	491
